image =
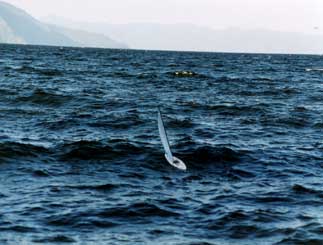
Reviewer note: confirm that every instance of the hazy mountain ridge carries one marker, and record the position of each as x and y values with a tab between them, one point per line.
17	26
88	39
7	35
184	37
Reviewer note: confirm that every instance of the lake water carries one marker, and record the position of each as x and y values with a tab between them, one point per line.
81	160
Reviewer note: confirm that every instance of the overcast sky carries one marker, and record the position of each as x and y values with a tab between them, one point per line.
287	15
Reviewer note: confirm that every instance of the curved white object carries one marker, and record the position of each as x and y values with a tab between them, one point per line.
174	161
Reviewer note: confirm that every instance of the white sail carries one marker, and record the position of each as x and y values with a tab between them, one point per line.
163	137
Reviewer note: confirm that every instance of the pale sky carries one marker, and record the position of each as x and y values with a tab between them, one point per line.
286	15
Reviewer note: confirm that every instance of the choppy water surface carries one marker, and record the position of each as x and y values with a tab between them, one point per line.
81	159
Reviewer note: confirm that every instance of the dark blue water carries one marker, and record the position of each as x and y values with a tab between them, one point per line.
81	159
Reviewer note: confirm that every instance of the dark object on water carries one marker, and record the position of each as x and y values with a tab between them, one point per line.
184	73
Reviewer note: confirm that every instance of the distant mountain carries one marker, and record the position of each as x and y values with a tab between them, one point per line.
87	39
198	38
16	26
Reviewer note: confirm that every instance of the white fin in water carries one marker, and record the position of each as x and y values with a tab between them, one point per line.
174	161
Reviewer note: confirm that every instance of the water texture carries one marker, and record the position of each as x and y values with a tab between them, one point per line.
81	160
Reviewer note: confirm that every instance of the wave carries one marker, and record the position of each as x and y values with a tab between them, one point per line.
101	187
263	79
299	241
59	123
180	123
140	209
227	109
12	150
300	189
292	121
318	125
42	97
195	155
198	156
93	150
314	69
55	239
239	174
125	120
39	70
19	229
7	92
228	79
109	217
273	198
41	173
